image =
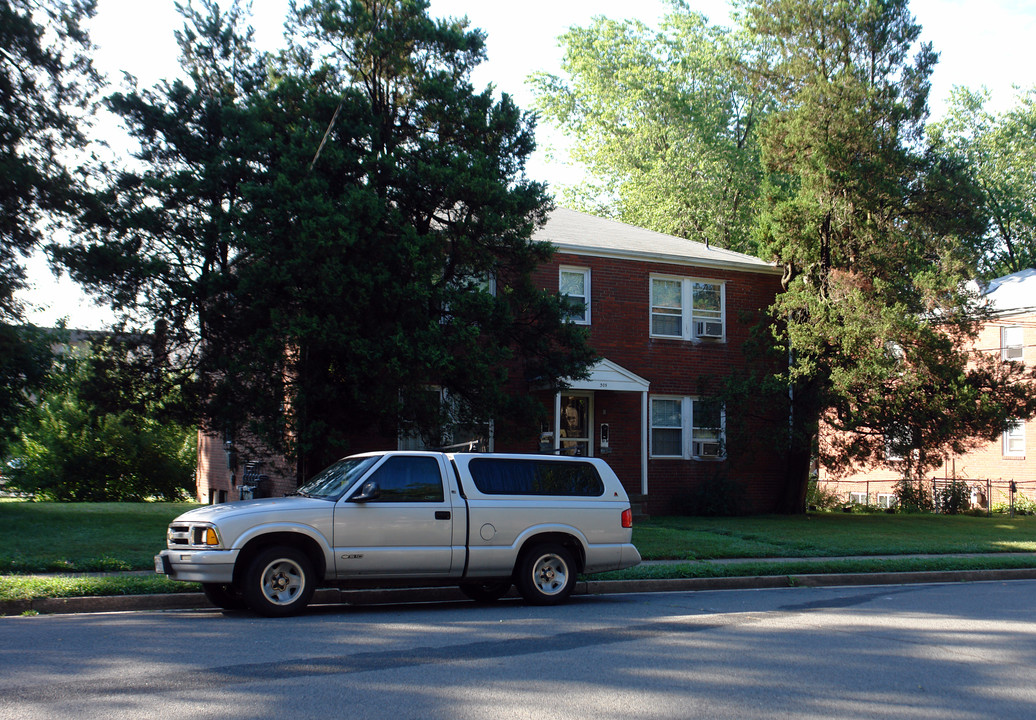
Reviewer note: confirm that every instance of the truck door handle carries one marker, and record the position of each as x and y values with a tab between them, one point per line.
442	514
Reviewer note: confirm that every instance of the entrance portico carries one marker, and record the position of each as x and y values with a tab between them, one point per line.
576	430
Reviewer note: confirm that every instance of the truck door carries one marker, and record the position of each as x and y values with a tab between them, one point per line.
405	529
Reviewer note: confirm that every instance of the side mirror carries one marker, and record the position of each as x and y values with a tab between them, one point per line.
368	491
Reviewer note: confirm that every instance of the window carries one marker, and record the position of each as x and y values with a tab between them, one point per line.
409	479
706	430
574	285
1014	439
667	427
687	309
498	476
859	498
898	443
1012	342
886	500
686	428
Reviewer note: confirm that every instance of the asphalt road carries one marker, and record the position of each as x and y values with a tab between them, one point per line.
908	651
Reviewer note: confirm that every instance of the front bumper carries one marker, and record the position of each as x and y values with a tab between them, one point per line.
207	566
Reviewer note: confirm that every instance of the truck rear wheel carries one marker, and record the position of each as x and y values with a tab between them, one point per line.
278	582
546	574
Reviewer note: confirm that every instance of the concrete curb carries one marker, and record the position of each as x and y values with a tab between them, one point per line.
331	596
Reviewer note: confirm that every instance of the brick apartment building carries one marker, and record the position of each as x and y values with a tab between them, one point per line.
669	317
991	468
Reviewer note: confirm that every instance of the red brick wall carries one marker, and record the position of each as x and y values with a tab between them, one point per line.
216	482
620	315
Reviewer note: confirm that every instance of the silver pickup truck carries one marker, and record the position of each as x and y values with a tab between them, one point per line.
480	521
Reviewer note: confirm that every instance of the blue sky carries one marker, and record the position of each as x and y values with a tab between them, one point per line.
981	42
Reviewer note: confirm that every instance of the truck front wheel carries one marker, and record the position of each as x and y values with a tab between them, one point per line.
546	574
278	582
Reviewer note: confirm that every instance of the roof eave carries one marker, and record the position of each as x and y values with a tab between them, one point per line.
720	264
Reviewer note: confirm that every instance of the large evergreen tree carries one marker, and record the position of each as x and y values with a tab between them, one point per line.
876	239
158	241
384	281
342	233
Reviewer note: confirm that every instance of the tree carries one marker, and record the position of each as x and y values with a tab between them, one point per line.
106	428
324	231
1000	149
875	236
384	280
158	240
665	123
46	82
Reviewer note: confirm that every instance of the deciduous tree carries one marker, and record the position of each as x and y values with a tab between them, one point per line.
1000	149
665	123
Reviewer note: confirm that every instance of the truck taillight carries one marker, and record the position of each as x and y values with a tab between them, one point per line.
627	518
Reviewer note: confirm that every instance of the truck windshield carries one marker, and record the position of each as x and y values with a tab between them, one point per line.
332	481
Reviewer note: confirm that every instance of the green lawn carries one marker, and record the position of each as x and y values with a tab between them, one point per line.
830	535
83	537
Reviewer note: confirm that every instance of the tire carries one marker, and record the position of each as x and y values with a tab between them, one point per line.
278	582
224	596
546	574
485	592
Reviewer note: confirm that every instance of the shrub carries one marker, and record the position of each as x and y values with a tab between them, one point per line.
954	497
913	496
821	498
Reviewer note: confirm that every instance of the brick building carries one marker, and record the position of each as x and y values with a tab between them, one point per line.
669	318
990	468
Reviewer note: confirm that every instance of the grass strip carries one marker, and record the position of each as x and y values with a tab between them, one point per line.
31	587
705	569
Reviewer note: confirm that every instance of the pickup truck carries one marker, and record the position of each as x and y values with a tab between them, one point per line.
483	522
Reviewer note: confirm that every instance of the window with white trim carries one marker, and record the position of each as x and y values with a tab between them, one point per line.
687	428
1014	439
1012	343
574	285
687	308
898	441
886	500
859	498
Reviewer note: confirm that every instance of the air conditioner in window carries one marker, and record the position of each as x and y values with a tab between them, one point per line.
706	448
1015	352
705	328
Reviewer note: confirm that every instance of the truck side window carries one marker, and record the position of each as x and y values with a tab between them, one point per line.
505	476
409	479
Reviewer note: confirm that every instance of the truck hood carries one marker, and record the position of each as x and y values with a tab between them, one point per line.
223	511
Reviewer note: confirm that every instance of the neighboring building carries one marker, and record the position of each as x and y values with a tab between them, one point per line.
669	317
991	468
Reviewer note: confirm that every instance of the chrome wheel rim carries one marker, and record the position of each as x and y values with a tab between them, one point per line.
550	574
282	581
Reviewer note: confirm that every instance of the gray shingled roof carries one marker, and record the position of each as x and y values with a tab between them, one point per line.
582	234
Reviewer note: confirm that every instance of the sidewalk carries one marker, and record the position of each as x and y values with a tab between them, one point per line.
196	600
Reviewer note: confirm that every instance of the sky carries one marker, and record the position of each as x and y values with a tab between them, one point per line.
980	42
